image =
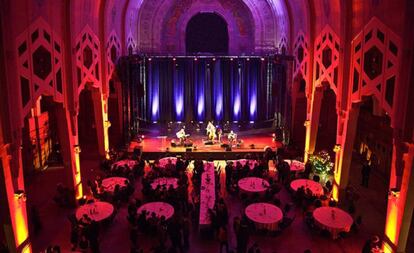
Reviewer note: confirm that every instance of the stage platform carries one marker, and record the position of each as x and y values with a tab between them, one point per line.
252	142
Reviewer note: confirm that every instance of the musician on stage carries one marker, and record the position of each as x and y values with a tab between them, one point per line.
232	137
182	136
219	133
211	131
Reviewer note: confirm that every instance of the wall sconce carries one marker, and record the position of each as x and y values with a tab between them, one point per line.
337	148
77	148
394	192
107	123
20	195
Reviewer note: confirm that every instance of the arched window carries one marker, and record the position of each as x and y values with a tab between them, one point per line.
207	33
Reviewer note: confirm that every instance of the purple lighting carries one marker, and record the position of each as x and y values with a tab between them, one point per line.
218	90
179	92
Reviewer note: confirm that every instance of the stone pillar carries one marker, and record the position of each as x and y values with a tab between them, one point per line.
400	205
101	121
312	123
68	140
13	214
344	152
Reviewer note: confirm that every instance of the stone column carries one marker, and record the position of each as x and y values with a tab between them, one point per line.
68	140
101	121
312	123
13	214
344	151
400	205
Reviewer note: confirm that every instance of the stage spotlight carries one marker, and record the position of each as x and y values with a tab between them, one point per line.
248	59
262	59
200	122
214	59
231	59
251	122
149	59
235	121
174	59
142	136
154	122
195	59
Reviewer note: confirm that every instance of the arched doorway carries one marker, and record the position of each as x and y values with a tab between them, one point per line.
207	33
326	138
88	139
299	114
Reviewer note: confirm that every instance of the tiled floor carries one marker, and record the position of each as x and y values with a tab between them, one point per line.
295	239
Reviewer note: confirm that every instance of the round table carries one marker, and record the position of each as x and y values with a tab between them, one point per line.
253	184
313	186
165	181
264	215
164	161
333	219
97	211
108	184
127	162
296	166
159	208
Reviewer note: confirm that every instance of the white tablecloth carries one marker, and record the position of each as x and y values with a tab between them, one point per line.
264	215
251	162
97	211
164	161
315	187
253	184
333	219
129	162
109	183
207	193
159	208
167	181
295	165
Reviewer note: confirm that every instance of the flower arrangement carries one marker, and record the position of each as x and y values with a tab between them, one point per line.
321	163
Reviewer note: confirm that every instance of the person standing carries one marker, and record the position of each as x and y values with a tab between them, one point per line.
365	172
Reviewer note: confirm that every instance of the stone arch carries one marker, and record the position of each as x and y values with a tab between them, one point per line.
40	62
236	37
259	16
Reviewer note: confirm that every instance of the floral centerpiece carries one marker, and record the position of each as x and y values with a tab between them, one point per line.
321	164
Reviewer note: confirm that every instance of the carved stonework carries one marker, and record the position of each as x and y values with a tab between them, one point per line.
39	64
376	53
87	58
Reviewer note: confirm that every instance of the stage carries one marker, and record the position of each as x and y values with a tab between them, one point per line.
252	142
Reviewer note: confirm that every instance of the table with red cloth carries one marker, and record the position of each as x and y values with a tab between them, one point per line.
129	163
313	186
97	211
295	165
243	162
165	181
159	208
264	215
253	185
207	194
164	161
108	184
333	219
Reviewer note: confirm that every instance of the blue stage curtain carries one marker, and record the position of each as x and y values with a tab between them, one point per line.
218	91
206	89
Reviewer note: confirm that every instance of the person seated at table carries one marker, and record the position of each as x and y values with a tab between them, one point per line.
85	220
246	169
129	188
328	187
371	244
117	196
308	170
170	167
